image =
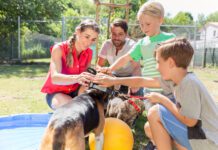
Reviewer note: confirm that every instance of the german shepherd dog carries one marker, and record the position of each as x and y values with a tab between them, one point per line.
71	122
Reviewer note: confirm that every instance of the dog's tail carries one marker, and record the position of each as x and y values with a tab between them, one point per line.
53	139
65	134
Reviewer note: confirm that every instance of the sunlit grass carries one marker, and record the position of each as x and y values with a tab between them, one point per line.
20	89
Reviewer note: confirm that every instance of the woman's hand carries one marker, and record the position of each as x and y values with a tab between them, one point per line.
154	97
104	80
85	78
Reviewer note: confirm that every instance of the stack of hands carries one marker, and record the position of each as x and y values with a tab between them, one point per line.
105	79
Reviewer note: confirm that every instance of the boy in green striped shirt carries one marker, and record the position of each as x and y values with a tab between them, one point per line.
150	17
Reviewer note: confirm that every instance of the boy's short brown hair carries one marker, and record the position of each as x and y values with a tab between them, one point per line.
179	49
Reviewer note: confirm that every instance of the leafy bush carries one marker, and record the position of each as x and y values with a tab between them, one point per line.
37	51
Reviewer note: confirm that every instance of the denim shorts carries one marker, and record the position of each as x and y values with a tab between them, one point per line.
49	97
177	130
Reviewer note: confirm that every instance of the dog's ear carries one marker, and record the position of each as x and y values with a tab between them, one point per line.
97	94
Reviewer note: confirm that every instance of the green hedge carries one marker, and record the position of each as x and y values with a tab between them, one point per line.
36	51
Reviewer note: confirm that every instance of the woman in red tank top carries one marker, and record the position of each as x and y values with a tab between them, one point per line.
69	61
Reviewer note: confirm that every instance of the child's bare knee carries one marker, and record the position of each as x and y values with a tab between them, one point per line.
153	113
147	129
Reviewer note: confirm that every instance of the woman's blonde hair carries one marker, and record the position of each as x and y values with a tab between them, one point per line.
151	8
86	24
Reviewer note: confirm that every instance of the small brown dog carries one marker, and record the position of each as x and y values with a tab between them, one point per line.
125	108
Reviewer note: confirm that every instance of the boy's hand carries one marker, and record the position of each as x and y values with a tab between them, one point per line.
154	97
104	80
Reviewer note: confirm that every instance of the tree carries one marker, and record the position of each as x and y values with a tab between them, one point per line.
136	4
201	20
30	10
213	17
36	16
183	18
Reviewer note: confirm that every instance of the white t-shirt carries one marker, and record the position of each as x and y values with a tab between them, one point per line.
196	103
108	52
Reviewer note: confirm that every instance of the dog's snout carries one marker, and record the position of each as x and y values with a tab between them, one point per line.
92	71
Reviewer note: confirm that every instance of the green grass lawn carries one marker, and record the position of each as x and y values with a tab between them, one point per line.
209	76
20	87
20	91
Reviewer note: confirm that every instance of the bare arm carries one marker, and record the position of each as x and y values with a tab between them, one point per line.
159	98
122	61
107	81
138	82
172	107
62	79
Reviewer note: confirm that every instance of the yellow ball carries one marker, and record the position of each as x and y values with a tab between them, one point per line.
117	136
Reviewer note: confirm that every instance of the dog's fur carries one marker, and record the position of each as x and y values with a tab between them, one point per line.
78	117
119	107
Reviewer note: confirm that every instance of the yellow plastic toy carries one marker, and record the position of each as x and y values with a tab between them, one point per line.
117	136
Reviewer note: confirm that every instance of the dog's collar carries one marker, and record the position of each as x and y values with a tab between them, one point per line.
134	105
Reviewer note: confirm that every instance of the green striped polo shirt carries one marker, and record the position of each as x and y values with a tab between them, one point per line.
144	49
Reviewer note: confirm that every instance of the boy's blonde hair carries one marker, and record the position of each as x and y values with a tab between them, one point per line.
151	8
179	49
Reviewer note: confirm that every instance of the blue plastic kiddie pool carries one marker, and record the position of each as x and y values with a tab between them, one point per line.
22	131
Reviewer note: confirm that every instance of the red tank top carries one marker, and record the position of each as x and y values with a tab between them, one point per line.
79	65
